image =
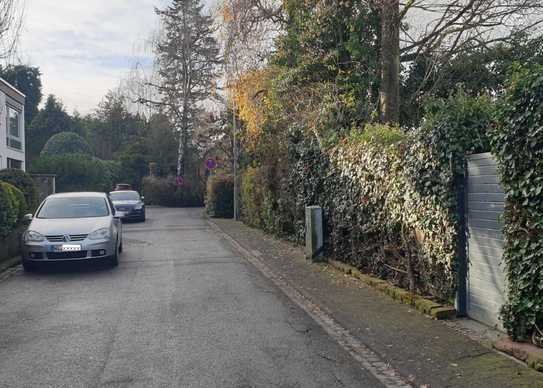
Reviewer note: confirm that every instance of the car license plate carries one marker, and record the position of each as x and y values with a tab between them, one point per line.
70	248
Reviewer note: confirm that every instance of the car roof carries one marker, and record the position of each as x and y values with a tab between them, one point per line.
78	195
123	191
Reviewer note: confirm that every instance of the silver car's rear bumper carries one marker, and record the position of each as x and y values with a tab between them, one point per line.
47	252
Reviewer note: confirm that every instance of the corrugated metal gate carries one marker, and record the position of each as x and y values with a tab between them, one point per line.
486	276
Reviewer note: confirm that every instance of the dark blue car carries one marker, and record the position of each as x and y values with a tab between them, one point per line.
129	204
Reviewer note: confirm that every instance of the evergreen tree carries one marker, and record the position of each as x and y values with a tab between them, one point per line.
49	121
187	56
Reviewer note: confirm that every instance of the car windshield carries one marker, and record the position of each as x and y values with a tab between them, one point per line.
74	207
124	196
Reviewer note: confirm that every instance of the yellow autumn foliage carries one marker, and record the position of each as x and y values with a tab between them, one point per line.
250	97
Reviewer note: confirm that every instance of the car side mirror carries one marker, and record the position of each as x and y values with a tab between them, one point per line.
27	219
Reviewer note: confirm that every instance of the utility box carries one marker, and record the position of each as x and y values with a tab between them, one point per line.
314	235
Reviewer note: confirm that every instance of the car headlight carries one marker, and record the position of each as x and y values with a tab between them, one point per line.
100	234
31	236
139	206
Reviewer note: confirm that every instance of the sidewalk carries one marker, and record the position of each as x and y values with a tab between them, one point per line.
422	350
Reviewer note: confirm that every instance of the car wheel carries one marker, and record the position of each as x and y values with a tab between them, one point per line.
114	259
121	246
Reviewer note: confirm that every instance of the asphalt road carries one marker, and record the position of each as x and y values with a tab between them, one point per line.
181	310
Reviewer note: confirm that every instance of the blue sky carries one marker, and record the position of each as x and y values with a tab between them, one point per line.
84	47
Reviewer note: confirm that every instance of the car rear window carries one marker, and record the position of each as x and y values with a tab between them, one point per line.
74	207
124	196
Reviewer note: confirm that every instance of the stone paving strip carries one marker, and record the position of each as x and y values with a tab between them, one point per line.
415	348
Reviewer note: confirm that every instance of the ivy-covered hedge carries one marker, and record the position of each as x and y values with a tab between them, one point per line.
220	196
389	207
13	207
389	197
518	144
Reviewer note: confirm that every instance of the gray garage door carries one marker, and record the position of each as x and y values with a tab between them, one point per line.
486	277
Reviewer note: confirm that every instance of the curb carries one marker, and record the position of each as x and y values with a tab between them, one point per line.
426	306
8	263
528	353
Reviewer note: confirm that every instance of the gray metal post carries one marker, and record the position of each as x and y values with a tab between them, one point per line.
235	160
314	236
461	245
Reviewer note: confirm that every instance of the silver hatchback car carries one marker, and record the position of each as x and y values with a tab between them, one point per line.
73	227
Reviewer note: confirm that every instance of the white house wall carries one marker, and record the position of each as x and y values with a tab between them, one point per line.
5	151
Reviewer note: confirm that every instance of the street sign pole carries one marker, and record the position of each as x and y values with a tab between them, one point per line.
235	159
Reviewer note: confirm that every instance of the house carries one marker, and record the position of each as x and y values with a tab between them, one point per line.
12	127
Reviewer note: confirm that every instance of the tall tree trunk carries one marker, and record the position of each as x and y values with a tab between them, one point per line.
389	94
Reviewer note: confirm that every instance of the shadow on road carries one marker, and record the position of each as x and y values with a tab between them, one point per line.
70	267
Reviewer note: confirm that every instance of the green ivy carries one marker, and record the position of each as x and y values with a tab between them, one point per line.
518	145
388	196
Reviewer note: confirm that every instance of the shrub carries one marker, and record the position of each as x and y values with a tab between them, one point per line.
164	192
253	197
518	145
220	196
23	181
18	200
77	172
66	143
378	134
389	197
13	206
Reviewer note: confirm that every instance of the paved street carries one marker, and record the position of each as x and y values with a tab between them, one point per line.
182	309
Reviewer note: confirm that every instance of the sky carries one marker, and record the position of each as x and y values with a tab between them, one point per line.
84	47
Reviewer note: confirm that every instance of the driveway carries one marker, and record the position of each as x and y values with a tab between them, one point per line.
181	310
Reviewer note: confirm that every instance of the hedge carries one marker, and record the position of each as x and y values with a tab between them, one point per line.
78	172
163	191
23	181
13	207
220	196
518	145
389	197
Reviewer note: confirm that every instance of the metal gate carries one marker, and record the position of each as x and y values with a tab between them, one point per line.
486	275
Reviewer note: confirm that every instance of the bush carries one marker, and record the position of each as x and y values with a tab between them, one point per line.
252	197
13	206
389	197
66	143
164	192
220	196
518	145
23	181
77	172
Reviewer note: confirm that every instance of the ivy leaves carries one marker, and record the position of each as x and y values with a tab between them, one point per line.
518	144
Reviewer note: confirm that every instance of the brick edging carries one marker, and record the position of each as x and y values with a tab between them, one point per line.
528	353
426	306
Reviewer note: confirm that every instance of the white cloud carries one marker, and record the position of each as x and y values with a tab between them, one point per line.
84	47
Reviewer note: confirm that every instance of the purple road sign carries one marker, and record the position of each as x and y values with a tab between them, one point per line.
211	164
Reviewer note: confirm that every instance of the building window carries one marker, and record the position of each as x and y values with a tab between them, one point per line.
14	163
14	132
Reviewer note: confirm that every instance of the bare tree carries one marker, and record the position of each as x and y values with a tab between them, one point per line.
187	60
247	32
11	22
442	29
